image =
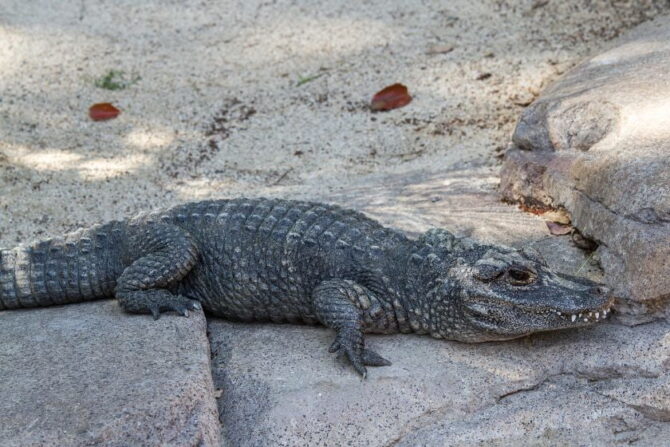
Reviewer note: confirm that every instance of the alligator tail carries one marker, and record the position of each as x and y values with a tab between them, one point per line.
82	266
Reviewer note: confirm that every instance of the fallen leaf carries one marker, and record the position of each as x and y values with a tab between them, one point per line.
440	49
391	97
558	229
537	210
103	111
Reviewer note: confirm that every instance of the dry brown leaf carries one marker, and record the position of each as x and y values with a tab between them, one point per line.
103	111
537	210
391	97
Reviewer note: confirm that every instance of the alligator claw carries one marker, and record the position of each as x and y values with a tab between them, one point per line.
356	361
179	304
180	309
371	358
350	344
334	347
194	305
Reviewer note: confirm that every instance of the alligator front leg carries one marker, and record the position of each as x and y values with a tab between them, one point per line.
336	304
161	256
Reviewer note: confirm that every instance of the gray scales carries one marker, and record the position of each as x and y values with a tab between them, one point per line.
287	261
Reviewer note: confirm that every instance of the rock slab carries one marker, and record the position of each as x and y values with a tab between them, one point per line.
597	143
599	387
89	374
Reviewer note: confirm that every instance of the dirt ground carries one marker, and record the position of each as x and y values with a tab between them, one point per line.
264	97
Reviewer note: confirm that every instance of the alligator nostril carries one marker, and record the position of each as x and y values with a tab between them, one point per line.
602	290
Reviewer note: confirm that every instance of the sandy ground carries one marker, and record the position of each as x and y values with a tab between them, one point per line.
264	97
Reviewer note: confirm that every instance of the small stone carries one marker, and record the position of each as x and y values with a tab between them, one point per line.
440	49
522	98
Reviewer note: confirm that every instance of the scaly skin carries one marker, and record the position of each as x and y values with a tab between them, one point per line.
301	262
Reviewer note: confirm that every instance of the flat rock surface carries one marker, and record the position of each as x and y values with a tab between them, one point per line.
88	374
597	143
464	200
602	386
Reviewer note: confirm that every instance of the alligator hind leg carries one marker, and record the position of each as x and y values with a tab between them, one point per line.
161	256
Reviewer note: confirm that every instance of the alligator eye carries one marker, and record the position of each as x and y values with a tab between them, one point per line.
519	277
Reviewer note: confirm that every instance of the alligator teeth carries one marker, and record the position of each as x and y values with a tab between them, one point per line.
587	316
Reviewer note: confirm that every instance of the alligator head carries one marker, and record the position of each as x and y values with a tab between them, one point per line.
493	292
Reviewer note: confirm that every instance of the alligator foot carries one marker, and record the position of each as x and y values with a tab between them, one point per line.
155	301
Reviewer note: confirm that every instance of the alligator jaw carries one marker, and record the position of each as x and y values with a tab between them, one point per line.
502	321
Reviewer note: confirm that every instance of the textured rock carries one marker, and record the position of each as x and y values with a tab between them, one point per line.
282	387
597	143
89	374
463	200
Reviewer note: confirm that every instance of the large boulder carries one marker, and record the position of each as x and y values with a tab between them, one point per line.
597	144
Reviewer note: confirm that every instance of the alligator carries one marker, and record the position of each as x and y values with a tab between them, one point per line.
283	261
